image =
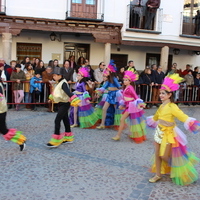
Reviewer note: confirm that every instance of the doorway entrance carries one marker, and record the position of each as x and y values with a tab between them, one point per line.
120	60
77	50
155	59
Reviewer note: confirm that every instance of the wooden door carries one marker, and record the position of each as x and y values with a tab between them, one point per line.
91	9
76	50
120	60
84	9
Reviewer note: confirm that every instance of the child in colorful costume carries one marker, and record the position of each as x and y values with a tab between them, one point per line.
112	85
62	95
9	134
171	153
84	114
110	118
133	112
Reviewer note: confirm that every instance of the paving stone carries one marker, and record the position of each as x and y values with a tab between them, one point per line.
92	168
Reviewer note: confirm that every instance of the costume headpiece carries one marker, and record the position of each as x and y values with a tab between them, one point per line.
106	72
129	74
171	82
111	67
83	72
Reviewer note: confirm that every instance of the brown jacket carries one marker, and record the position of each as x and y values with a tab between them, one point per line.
46	77
15	76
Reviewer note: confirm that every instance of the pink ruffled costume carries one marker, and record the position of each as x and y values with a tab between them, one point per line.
135	120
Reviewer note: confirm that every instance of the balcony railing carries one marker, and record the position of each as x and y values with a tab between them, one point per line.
190	23
136	18
85	16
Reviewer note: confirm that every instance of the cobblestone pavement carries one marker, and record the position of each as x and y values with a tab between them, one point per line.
93	168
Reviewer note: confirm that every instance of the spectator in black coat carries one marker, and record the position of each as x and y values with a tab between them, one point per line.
197	80
197	90
158	78
146	90
195	72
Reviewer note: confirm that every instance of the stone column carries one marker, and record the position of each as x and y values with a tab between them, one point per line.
6	47
107	53
164	57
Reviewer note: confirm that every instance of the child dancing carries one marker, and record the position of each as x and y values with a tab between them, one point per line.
9	134
171	153
84	114
62	95
112	85
133	110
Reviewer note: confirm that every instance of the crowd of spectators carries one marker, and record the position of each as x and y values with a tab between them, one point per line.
30	76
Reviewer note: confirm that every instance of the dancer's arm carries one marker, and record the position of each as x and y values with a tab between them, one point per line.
66	90
178	113
190	124
133	93
1	91
116	82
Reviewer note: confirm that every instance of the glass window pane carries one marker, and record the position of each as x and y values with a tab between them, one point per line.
91	2
76	1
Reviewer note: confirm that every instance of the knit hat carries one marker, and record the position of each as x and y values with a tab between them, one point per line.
58	71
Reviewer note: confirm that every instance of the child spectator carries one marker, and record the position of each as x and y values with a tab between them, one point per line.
35	88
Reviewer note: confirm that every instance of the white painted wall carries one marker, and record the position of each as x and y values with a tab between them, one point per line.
138	54
37	8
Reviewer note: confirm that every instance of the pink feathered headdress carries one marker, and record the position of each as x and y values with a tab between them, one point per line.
83	72
111	67
131	76
171	82
106	72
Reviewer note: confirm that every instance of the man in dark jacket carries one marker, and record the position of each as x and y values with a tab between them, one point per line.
152	6
67	71
158	77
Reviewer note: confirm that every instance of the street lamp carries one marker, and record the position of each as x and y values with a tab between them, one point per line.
176	51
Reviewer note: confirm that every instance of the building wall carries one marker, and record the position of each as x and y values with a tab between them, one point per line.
37	8
114	11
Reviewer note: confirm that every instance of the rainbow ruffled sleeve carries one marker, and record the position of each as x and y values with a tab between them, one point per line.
1	97
136	106
119	95
151	122
86	96
192	125
74	100
100	91
51	97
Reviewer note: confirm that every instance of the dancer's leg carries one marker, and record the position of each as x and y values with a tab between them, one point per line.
167	153
3	127
75	115
121	127
158	161
105	108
